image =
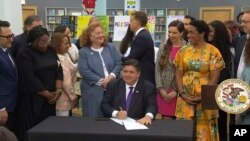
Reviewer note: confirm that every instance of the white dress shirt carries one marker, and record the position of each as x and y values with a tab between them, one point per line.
242	64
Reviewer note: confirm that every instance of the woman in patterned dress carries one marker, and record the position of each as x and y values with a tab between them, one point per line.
198	63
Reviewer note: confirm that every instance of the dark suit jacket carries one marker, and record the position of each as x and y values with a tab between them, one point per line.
8	83
143	99
142	49
19	42
238	51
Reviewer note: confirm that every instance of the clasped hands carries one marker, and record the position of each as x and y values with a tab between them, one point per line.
167	97
106	81
191	100
145	120
52	97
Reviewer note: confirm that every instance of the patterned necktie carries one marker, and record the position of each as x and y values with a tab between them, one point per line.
129	97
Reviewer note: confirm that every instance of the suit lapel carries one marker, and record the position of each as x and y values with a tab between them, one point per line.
122	92
8	61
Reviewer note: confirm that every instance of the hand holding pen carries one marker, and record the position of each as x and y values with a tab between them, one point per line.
121	114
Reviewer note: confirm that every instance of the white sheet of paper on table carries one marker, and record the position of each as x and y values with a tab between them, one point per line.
129	123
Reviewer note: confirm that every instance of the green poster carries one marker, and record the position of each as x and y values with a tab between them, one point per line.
105	23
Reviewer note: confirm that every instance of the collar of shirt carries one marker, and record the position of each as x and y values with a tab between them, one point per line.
4	49
127	85
248	35
97	50
140	29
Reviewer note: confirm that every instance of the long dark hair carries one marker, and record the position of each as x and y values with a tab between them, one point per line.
221	40
126	41
167	47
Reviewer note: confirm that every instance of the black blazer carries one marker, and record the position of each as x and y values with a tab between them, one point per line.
19	42
142	49
8	83
238	51
143	99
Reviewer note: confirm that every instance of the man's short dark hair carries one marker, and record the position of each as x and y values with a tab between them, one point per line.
142	17
239	16
189	17
4	24
132	62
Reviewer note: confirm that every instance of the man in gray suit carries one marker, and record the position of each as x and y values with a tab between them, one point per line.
130	96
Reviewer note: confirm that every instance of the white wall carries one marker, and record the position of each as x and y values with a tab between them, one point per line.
11	11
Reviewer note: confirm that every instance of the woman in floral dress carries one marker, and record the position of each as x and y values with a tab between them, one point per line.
197	64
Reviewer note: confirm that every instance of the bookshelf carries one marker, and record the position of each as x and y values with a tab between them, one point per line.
160	22
61	15
111	13
177	11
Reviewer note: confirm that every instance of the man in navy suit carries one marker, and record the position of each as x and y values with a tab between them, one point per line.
130	96
8	76
142	47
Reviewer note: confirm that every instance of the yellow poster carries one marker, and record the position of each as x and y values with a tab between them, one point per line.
82	23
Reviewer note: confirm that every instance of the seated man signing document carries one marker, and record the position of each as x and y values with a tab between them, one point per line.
130	96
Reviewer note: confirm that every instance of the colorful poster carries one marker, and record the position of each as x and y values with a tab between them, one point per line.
170	19
121	24
151	25
130	6
105	23
82	23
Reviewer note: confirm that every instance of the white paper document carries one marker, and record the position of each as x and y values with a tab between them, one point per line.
129	123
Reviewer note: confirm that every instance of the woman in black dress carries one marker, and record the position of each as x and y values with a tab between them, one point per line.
40	77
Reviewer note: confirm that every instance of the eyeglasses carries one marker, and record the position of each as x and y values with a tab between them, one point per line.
244	22
8	36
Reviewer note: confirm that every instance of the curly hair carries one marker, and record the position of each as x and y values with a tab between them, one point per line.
36	33
167	47
126	41
202	27
85	36
221	40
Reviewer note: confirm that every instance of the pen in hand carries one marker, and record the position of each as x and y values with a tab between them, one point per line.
121	114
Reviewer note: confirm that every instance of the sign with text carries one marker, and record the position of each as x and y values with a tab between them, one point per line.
121	24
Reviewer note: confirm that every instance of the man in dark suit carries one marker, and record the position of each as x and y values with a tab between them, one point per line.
20	41
130	96
241	44
8	77
142	47
238	52
239	59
